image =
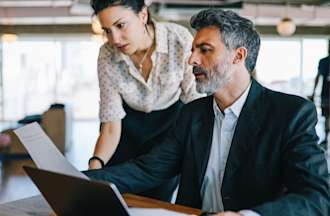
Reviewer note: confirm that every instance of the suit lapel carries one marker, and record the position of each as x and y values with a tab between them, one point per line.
201	132
246	130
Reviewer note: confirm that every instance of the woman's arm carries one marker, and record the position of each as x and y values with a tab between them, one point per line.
111	110
107	143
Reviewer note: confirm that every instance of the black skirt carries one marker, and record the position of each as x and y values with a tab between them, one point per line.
140	132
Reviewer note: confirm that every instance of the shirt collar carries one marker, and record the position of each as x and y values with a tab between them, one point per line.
236	107
216	110
161	33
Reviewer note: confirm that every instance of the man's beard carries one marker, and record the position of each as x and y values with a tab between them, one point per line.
215	79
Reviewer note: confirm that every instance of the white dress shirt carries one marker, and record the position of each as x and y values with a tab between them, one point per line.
223	131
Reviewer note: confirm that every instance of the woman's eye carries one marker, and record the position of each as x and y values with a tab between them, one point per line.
121	25
107	31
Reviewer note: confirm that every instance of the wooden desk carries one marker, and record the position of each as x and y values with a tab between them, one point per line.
37	206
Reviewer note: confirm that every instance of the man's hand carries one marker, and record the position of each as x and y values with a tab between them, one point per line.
4	140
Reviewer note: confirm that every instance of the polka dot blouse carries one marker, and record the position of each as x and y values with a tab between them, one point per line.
170	78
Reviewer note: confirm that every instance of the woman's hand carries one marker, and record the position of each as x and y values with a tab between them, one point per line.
107	143
94	164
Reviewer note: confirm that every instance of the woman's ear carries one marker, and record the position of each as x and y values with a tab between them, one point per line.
143	15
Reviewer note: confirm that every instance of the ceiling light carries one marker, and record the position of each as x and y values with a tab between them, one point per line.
9	38
286	27
35	3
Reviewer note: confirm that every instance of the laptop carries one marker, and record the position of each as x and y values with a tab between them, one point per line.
67	190
70	196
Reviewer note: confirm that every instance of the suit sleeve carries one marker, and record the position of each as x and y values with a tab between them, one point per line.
305	172
150	170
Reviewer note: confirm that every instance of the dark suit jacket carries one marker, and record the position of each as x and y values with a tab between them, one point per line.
274	165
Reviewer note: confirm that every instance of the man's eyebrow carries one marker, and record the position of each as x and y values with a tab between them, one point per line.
202	44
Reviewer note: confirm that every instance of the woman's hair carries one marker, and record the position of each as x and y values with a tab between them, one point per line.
135	5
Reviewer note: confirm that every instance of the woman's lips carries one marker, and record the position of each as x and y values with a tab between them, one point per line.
123	47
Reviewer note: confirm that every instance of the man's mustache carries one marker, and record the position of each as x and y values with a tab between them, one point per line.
199	70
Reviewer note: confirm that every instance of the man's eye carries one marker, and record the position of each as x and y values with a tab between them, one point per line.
205	50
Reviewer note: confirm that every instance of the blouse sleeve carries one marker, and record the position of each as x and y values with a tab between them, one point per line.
188	84
111	107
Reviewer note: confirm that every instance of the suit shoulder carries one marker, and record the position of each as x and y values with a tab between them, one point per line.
287	102
324	63
198	105
195	110
325	59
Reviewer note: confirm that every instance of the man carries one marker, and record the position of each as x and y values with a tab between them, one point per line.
323	71
244	150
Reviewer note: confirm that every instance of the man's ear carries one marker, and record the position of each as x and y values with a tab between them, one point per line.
240	55
143	15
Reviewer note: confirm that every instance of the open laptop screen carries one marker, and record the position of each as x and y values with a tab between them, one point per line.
69	195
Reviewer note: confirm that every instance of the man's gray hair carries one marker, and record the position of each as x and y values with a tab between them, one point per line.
235	31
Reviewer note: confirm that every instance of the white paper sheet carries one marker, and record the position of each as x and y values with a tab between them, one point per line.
152	211
46	156
43	151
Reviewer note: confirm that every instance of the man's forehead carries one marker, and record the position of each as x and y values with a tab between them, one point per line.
210	34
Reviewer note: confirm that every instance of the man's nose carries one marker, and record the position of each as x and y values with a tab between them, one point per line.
194	60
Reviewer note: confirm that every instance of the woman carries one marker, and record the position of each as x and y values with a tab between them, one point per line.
143	76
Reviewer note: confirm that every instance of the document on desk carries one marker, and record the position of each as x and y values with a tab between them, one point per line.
152	211
44	152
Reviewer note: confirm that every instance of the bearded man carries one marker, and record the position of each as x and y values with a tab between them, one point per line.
244	149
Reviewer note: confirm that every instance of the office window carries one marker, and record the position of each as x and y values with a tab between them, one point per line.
313	51
39	71
279	63
290	65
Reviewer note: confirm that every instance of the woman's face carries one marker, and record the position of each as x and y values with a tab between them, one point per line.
124	28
